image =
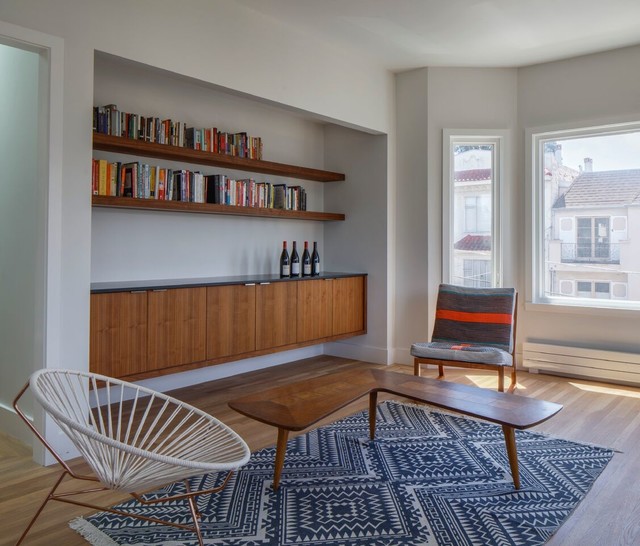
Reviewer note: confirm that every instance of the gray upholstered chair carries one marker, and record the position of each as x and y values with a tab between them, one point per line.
474	328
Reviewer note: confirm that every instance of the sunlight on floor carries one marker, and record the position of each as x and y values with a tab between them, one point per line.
491	381
607	390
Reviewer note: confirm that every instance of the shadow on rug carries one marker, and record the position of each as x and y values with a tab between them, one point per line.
429	478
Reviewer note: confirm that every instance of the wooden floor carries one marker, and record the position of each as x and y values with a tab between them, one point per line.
597	413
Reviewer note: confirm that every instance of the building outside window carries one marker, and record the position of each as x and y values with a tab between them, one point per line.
477	273
471	207
586	217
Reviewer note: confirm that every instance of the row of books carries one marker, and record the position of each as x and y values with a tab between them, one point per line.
143	181
109	120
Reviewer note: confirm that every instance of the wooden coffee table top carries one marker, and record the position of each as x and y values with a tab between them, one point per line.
299	405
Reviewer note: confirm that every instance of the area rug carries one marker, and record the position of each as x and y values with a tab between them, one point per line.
429	478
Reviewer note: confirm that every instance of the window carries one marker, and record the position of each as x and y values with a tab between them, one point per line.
588	289
472	167
476	274
585	225
592	238
477	214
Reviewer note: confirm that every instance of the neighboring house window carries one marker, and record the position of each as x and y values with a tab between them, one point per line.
477	214
477	273
592	238
588	289
472	177
585	198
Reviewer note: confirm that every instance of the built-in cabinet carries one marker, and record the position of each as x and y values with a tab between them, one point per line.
141	332
177	325
276	305
231	320
118	333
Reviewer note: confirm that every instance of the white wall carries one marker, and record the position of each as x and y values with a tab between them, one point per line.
430	100
131	245
220	45
20	228
588	90
360	243
412	214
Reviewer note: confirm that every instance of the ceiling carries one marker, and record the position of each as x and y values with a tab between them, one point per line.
404	34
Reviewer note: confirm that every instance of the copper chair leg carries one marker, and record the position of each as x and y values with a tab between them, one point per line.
194	514
44	503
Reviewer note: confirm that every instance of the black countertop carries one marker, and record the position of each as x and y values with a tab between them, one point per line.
163	284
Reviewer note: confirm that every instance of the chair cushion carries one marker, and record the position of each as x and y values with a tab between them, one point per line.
476	316
462	352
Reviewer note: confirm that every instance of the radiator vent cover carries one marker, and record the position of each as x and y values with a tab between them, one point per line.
601	365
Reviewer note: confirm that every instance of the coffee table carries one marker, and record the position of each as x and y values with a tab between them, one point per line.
299	405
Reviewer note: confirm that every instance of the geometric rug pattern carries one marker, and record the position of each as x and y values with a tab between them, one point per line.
429	478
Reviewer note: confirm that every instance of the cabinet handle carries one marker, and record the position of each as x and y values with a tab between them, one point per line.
250	284
264	283
159	290
137	291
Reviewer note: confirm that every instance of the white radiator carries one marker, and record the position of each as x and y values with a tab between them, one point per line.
614	366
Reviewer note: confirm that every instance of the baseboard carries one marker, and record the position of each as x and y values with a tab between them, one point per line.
402	356
220	371
12	425
367	353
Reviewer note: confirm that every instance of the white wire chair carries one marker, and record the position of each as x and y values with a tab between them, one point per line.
133	438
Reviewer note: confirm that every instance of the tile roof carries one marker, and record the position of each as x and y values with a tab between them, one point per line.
474	242
472	175
608	188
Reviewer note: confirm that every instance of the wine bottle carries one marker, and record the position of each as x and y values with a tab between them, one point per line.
295	262
285	264
315	261
306	261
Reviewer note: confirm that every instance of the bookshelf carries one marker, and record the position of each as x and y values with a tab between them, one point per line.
109	143
209	208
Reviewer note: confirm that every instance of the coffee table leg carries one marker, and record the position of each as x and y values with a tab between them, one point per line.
281	448
510	441
373	403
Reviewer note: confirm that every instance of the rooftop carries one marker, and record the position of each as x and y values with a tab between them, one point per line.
613	188
474	242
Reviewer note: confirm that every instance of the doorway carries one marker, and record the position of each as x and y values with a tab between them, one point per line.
23	220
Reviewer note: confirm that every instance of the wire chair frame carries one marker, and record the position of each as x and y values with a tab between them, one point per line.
133	438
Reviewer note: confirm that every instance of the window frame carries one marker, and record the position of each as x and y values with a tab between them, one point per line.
536	300
499	138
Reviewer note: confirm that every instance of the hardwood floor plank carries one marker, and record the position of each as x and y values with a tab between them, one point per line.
593	412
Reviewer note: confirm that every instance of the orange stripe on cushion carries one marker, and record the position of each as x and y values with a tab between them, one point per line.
461	316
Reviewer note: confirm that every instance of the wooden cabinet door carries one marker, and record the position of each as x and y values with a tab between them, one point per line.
118	333
276	306
315	309
231	320
349	305
177	327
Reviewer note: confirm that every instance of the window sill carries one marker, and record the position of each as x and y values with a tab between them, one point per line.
581	309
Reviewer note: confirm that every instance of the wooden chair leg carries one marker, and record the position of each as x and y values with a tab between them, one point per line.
416	367
440	371
514	381
501	379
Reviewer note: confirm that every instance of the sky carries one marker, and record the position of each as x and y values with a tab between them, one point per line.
611	152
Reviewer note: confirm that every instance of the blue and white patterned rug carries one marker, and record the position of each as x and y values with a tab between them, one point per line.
429	478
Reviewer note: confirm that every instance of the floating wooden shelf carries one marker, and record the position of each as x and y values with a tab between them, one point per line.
108	143
209	208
